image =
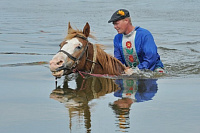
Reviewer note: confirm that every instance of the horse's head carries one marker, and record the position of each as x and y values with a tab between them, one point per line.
72	50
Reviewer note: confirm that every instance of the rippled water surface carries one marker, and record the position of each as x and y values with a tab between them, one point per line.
30	32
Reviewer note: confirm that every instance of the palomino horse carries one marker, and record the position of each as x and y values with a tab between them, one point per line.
77	53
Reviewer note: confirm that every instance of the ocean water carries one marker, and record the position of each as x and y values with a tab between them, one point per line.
30	32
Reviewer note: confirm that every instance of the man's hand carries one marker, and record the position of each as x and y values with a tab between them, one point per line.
130	71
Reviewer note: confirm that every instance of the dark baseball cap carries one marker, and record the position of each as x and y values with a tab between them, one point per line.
119	14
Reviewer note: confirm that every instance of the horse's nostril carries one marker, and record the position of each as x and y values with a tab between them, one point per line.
60	62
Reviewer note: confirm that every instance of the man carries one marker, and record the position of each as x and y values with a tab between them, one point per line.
134	46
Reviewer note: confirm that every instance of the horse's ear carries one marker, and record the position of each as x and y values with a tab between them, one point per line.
86	30
69	27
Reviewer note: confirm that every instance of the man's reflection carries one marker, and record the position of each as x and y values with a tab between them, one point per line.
131	90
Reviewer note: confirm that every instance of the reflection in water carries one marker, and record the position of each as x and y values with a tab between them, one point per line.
76	100
128	91
131	91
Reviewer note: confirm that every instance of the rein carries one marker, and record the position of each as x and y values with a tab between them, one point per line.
97	75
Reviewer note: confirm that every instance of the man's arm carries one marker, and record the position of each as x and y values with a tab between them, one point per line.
149	52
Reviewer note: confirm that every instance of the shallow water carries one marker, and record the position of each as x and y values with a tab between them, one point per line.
30	32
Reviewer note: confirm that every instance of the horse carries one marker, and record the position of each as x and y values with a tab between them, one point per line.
78	54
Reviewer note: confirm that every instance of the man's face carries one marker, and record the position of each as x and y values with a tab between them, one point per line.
120	26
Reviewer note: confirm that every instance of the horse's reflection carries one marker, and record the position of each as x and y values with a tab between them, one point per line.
131	91
76	100
128	91
87	89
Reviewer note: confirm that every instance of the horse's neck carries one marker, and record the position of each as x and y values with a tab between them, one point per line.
88	59
104	63
108	64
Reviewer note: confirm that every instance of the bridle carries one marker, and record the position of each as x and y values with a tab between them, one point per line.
76	60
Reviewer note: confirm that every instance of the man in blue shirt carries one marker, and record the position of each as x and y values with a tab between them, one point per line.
134	46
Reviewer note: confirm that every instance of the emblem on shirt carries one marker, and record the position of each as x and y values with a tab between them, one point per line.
129	51
128	44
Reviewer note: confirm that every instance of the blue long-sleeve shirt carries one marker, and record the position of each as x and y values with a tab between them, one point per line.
146	49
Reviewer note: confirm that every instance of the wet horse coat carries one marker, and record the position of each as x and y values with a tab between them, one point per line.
77	53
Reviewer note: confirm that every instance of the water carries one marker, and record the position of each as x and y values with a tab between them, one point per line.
30	32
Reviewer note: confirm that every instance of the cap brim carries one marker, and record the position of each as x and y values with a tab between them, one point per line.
112	20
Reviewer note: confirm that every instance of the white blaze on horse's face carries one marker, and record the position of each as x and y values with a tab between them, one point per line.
71	47
61	59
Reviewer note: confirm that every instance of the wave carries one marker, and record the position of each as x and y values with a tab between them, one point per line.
188	43
14	53
183	69
25	64
164	48
194	50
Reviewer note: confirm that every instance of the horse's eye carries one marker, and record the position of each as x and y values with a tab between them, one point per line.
79	47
